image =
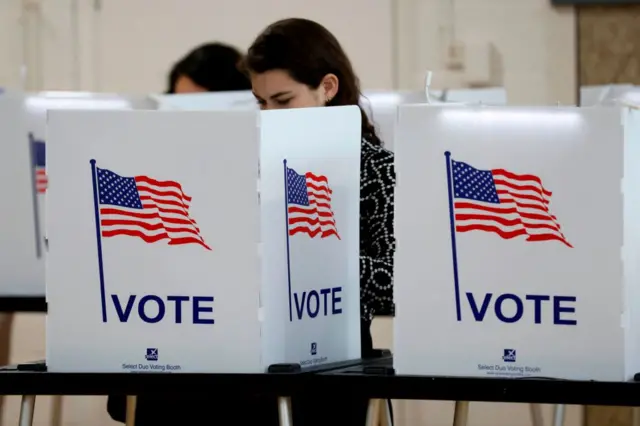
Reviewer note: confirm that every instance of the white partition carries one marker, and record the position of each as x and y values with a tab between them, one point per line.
21	241
240	100
379	105
382	106
515	259
598	95
24	179
169	252
488	95
630	97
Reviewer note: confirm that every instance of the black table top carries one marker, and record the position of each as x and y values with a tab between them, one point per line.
285	380
371	378
13	382
23	304
380	381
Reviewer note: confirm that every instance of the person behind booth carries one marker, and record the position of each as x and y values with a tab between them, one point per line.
297	63
211	67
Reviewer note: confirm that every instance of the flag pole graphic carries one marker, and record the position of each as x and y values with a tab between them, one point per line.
454	251
286	215
34	197
103	297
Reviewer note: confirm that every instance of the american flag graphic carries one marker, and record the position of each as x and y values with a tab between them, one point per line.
309	205
39	165
502	202
146	208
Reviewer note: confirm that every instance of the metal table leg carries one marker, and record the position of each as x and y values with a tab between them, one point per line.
27	408
56	410
385	413
635	416
132	401
373	412
558	415
461	413
536	414
284	411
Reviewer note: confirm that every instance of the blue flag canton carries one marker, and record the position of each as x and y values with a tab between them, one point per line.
297	188
118	191
473	184
39	153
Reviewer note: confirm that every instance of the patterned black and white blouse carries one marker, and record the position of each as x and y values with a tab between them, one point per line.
377	240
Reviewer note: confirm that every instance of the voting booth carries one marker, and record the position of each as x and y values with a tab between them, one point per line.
602	94
382	106
207	101
630	98
23	184
517	242
24	180
192	241
484	95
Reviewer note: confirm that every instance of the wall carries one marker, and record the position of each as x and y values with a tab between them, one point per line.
10	43
533	46
128	45
609	48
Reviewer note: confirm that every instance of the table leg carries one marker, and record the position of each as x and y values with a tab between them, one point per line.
373	413
635	416
461	413
387	419
284	411
536	414
56	410
27	408
558	415
132	401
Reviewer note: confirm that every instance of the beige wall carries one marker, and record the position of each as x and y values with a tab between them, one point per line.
533	46
128	45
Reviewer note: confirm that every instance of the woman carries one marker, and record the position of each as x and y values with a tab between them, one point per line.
297	63
211	67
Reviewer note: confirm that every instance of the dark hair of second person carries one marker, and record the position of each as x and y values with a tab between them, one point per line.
211	67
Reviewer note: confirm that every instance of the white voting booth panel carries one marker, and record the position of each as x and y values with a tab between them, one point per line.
24	180
235	100
489	95
630	97
379	105
168	252
597	95
21	245
382	106
510	231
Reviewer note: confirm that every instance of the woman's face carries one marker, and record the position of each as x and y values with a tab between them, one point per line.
276	89
185	85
